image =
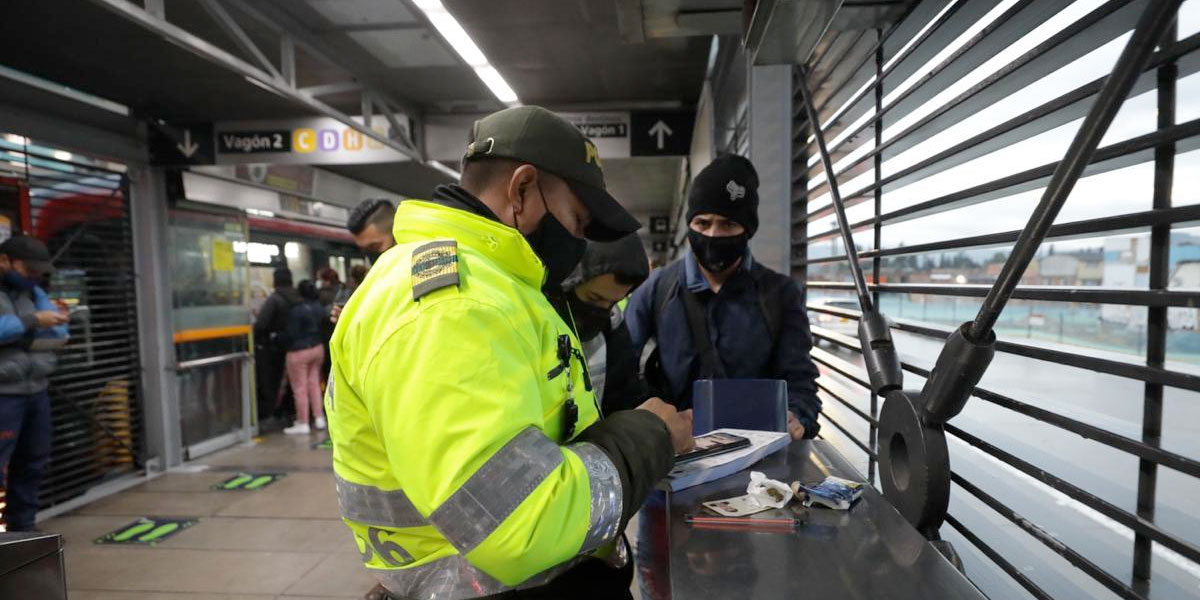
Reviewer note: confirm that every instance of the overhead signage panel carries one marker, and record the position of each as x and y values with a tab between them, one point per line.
608	130
312	141
661	133
181	144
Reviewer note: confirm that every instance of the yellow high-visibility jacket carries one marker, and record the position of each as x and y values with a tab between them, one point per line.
455	392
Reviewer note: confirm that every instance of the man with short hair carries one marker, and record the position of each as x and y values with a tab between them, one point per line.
371	225
270	332
715	313
469	452
30	328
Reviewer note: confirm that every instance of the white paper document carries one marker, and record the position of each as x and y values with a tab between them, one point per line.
762	444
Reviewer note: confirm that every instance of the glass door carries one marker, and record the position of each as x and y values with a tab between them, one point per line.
211	318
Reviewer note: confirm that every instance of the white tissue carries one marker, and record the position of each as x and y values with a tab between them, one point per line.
760	489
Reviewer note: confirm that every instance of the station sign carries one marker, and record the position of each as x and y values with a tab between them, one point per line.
637	133
312	141
609	131
181	144
661	133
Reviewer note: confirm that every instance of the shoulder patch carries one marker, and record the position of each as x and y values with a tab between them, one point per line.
434	266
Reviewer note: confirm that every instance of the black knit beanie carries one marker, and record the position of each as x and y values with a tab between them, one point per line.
728	186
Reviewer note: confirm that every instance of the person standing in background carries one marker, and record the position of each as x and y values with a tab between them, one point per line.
716	313
305	353
270	344
328	286
371	225
588	300
30	326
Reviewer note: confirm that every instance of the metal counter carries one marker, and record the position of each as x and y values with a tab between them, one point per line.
31	566
867	552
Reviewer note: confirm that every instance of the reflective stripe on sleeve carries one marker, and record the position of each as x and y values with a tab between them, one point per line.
605	483
493	492
373	506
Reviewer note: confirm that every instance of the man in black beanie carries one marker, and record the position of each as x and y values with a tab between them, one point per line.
715	313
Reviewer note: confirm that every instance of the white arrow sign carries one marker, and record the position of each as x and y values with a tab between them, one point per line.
187	148
660	129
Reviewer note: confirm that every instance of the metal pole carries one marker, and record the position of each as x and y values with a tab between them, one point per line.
1156	333
1129	67
876	262
860	283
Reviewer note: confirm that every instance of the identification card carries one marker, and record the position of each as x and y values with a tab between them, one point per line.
739	506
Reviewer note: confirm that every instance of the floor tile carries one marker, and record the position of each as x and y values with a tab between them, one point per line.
111	595
336	575
319	536
163	569
161	504
299	495
183	482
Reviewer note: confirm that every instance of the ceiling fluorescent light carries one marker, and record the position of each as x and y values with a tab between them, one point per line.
457	38
491	77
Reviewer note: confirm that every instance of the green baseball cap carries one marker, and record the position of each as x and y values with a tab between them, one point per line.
534	135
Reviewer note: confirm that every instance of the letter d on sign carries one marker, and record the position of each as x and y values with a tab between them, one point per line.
329	140
304	140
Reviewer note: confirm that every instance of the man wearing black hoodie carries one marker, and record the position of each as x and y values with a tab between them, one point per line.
270	345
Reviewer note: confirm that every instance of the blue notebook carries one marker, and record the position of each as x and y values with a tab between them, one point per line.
758	404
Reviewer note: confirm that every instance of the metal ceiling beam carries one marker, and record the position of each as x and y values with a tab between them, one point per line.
220	57
360	27
283	23
331	88
234	30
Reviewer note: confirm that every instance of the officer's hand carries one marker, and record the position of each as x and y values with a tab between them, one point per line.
335	311
795	429
49	318
678	423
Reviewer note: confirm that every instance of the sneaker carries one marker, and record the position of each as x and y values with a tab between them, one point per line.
298	429
320	424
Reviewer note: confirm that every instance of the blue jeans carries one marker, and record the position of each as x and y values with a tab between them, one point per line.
24	450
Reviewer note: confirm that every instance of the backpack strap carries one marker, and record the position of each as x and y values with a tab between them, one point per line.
672	286
769	285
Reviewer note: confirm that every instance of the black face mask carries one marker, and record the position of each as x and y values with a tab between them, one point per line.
717	253
559	250
590	320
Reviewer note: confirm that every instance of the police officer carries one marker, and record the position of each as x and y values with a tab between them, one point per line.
469	451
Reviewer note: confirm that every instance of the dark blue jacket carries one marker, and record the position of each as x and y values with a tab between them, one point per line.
738	329
24	369
304	325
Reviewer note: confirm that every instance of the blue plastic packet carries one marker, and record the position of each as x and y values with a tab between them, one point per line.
834	492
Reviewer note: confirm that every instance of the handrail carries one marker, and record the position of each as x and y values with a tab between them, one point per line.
211	360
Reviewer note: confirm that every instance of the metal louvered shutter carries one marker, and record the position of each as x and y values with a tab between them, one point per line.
1077	462
79	207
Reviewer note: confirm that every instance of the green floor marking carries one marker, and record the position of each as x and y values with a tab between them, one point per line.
147	531
137	529
248	482
260	481
236	482
159	532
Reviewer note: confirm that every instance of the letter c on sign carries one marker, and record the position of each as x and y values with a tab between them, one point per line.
304	140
